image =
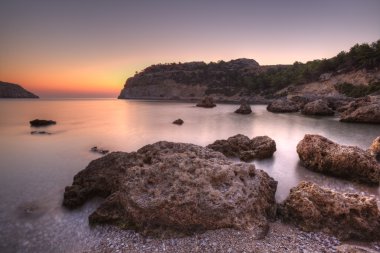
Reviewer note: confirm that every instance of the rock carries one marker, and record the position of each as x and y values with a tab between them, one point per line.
283	106
363	110
178	122
244	108
345	215
11	90
302	100
241	146
346	248
175	188
41	122
39	132
320	154
375	147
317	107
325	77
99	150
207	102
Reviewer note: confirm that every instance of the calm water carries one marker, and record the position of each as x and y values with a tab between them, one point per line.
34	169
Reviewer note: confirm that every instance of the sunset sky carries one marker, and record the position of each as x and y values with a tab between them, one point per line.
88	48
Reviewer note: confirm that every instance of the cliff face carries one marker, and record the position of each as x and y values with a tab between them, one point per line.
191	80
10	90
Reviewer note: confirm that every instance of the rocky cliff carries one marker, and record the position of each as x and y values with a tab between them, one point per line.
10	90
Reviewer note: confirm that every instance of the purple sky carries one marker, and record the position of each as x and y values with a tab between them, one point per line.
89	47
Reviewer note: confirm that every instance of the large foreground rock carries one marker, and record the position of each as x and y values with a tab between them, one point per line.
347	216
363	110
283	106
241	146
207	102
244	108
318	107
322	155
175	187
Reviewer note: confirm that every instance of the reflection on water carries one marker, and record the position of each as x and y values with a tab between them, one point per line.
34	169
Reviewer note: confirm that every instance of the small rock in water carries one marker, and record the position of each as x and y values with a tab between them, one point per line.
99	150
39	132
178	122
41	122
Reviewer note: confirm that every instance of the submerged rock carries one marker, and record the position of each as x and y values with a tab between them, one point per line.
175	187
207	102
363	110
283	106
241	146
244	108
178	122
322	155
41	122
345	215
318	107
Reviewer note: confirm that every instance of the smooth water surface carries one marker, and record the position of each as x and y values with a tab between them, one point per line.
34	169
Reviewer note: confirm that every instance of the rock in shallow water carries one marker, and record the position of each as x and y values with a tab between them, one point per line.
175	187
244	108
363	110
241	146
318	107
322	155
347	216
207	102
41	122
178	122
283	106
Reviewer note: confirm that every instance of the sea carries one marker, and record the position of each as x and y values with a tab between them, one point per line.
36	168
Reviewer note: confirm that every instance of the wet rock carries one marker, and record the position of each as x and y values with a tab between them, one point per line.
40	132
241	146
244	108
207	102
41	122
175	187
318	107
99	150
363	110
283	106
178	122
346	248
347	216
320	154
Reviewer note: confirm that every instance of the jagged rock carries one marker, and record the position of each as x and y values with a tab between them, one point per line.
302	100
346	248
244	108
345	215
241	146
99	150
322	155
11	90
178	122
41	122
375	147
207	102
363	110
317	107
283	106
175	187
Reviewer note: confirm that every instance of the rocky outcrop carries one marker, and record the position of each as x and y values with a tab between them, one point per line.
207	102
178	122
363	110
345	215
98	150
318	107
242	147
320	154
11	90
374	149
283	106
175	187
41	122
244	108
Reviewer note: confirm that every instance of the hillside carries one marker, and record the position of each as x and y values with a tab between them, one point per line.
11	90
352	73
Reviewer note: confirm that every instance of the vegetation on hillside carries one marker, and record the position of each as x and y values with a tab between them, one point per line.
356	91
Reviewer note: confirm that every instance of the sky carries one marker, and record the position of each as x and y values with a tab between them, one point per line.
88	48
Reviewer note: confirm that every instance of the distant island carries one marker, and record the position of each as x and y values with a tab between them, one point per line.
349	74
11	90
